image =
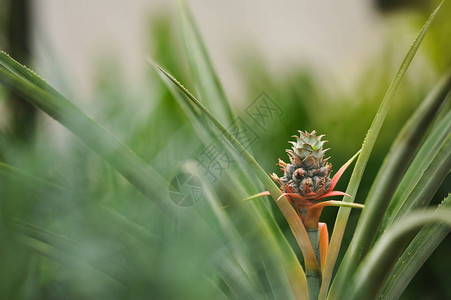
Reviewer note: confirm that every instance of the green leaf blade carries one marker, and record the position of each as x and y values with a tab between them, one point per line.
424	176
287	210
369	278
206	79
340	224
392	169
107	146
418	251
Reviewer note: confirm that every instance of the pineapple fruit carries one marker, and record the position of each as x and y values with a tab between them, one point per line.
306	179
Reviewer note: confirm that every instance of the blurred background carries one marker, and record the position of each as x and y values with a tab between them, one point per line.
326	65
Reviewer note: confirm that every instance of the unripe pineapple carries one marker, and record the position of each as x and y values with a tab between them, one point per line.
308	173
306	178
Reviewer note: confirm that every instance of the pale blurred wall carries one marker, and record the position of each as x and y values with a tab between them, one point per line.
330	35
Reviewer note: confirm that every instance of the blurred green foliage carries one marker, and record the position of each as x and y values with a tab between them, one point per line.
94	233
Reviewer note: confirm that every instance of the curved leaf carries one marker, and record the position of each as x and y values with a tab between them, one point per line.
419	250
372	273
127	163
61	249
287	210
346	268
424	176
205	77
391	171
394	166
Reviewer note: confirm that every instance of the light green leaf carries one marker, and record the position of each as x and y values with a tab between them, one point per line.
234	241
60	248
275	256
347	267
424	176
419	250
104	213
397	160
16	68
207	82
194	115
237	280
127	163
370	277
286	208
8	171
205	132
275	240
392	170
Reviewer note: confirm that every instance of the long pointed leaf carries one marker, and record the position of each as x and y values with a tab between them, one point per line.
391	171
128	164
295	272
276	253
207	82
234	241
419	250
60	248
424	176
368	144
126	224
396	163
15	67
288	211
7	171
200	124
371	274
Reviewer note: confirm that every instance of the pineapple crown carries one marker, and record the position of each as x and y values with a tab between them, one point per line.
308	150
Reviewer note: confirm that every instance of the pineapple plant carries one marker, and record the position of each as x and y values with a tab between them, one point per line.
273	269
